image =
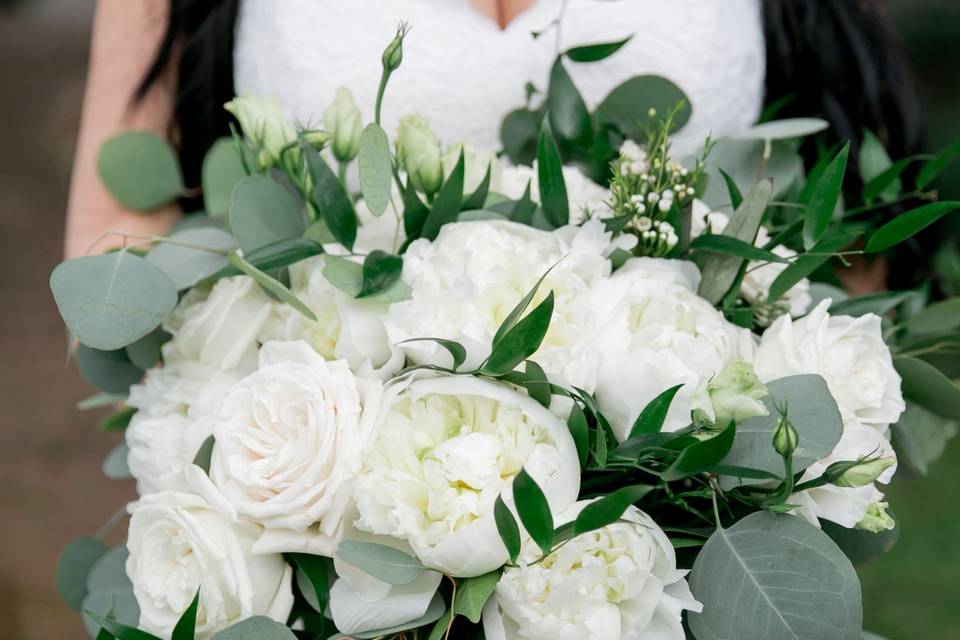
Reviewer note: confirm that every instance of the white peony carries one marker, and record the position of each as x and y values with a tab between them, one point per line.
466	282
177	544
658	333
289	441
345	328
585	195
849	353
619	582
447	447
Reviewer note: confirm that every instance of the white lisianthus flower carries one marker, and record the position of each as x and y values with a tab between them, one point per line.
759	276
466	282
345	328
289	441
263	122
584	194
177	544
658	333
849	353
447	447
737	393
617	583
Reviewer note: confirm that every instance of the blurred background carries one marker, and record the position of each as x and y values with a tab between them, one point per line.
50	454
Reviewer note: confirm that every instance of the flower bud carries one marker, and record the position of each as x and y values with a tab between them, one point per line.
264	125
877	518
476	163
785	439
736	393
858	473
418	151
342	121
393	54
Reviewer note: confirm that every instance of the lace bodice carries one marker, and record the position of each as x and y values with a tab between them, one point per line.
465	74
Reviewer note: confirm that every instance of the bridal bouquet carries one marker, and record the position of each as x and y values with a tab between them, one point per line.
432	394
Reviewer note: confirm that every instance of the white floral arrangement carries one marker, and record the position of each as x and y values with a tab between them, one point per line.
483	399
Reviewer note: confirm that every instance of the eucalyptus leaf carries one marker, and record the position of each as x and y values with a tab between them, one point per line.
920	437
859	545
908	224
187	266
927	386
73	567
553	188
774	577
146	352
273	256
939	316
109	371
382	562
376	169
263	212
330	197
824	198
473	593
271	285
630	105
256	628
115	464
533	510
112	300
221	171
783	129
109	591
140	170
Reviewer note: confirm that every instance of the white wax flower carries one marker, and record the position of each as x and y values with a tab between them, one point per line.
658	333
447	447
620	582
179	543
263	121
289	443
466	282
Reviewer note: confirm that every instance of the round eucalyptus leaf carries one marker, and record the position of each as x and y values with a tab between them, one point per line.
115	464
75	563
262	212
145	352
140	170
112	300
110	371
109	591
256	628
774	577
187	266
222	170
783	129
643	100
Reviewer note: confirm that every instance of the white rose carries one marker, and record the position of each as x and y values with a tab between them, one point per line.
658	334
447	447
263	121
289	441
177	544
849	353
584	194
466	282
345	328
619	582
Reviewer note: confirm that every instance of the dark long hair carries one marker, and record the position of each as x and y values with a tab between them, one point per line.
832	58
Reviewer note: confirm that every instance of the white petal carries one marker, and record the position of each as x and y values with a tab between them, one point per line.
352	614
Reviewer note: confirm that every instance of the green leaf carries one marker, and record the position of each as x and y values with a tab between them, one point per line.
812	411
553	189
119	420
736	198
873	162
728	246
807	264
511	320
147	351
933	168
256	628
271	285
580	431
702	455
595	52
380	561
140	170
115	464
787	129
519	133
940	316
653	415
376	169
185	266
887	185
316	570
447	203
109	592
478	199
473	593
415	212
720	271
507	528
101	400
908	224
381	271
330	197
523	209
521	341
774	576
439	630
609	509
73	567
537	384
629	105
824	199
222	170
879	303
924	384
112	300
533	510
120	631
860	546
457	352
187	624
109	371
920	437
263	212
569	116
347	276
205	454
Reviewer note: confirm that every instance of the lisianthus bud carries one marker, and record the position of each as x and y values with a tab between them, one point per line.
877	518
858	473
785	438
393	54
317	139
736	393
264	125
342	120
476	164
418	151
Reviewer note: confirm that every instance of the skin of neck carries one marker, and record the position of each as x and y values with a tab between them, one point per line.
502	11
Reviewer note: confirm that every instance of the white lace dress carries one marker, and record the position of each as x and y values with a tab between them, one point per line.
465	74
